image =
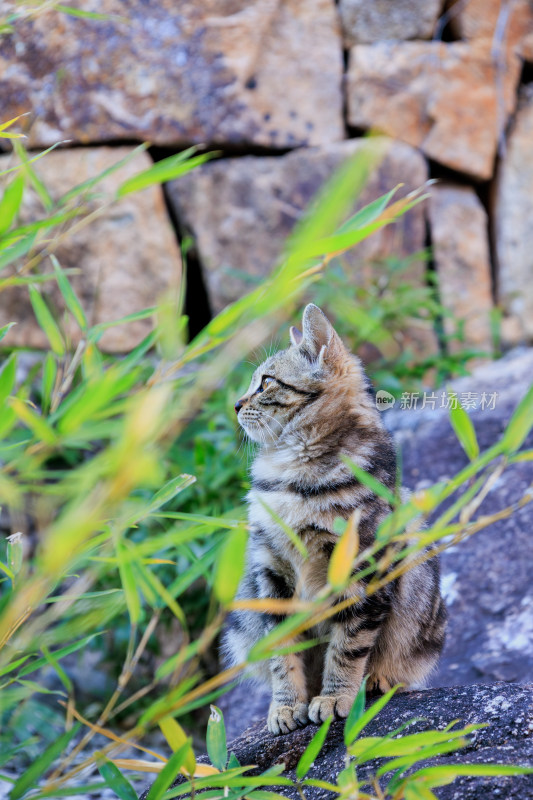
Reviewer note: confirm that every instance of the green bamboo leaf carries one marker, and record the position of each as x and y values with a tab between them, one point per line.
36	182
402	762
440	776
519	425
129	584
85	186
230	566
31	160
46	321
10	203
78	12
168	169
169	772
5	329
5	125
48	380
312	750
217	749
37	424
369	213
287	530
30	777
359	722
7	378
97	331
464	430
17	250
69	295
356	712
418	791
116	781
368	480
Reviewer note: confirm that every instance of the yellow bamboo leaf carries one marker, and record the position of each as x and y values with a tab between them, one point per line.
271	605
139	765
176	738
110	735
346	549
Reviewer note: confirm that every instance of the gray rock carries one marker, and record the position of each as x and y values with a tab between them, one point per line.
364	22
487	579
508	709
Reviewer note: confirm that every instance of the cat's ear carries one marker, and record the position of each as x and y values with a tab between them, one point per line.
319	339
296	336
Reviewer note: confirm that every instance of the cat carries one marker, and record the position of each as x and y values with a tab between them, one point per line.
306	406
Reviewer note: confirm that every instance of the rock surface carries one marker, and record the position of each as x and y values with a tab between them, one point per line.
450	100
488	578
506	24
513	211
179	73
241	210
126	258
507	739
459	236
364	23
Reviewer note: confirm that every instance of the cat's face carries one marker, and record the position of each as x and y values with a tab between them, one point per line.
287	384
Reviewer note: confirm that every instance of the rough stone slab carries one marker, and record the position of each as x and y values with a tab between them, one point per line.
507	25
364	22
241	210
264	72
488	578
126	258
459	235
513	212
508	709
449	100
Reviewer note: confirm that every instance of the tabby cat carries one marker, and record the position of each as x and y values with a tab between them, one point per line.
306	406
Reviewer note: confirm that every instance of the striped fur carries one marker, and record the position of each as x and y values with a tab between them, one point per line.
306	406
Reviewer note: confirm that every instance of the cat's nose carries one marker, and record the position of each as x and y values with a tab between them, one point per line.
238	405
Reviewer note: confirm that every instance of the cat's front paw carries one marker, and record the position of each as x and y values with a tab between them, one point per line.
325	706
283	719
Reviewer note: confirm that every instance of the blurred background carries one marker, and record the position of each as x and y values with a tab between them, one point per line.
283	92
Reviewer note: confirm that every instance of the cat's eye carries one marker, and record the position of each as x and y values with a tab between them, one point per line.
267	381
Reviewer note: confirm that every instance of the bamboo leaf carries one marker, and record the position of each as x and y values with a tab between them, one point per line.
46	321
116	781
165	170
356	712
38	425
7	378
312	750
169	772
38	767
176	738
287	530
357	725
464	430
519	425
10	203
344	553
5	329
368	480
230	566
129	584
5	125
69	295
216	739
16	250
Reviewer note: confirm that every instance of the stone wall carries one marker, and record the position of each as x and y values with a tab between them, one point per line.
288	85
